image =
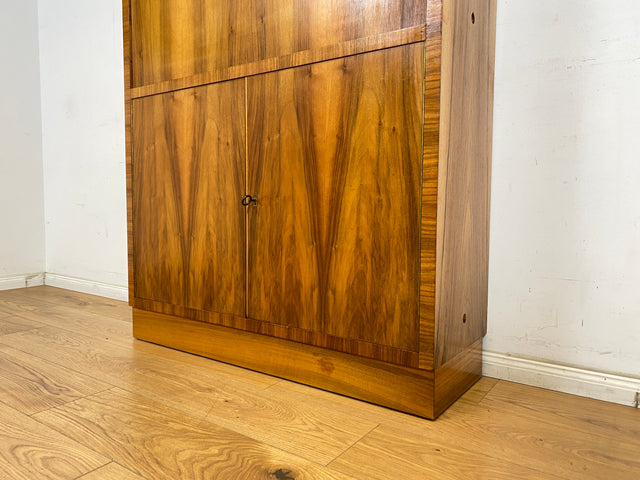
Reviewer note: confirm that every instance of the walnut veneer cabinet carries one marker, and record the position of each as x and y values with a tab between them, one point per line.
308	188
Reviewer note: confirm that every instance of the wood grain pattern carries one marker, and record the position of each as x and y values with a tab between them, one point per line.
335	161
210	394
13	324
159	443
296	59
189	178
30	385
394	386
430	200
464	176
456	376
41	298
360	348
112	471
426	456
32	451
181	38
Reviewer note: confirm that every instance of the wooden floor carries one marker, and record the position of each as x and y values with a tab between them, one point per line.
81	399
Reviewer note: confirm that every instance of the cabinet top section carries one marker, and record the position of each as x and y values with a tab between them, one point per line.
180	43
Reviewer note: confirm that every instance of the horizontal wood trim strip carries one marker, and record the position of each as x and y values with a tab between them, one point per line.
405	389
396	38
360	348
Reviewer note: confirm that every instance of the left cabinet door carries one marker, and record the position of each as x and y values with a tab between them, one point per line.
189	173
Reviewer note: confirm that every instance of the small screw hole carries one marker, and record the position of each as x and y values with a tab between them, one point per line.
464	318
473	17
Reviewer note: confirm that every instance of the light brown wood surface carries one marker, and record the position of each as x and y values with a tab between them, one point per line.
114	408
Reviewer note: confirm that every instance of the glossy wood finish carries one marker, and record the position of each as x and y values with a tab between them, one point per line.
181	38
334	158
304	57
464	176
164	408
188	180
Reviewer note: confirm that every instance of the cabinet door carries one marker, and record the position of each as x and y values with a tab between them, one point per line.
188	180
335	161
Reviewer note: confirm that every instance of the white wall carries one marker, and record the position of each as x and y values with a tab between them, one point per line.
21	208
83	140
565	224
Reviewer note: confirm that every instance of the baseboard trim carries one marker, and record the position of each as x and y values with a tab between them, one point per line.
585	383
22	281
107	290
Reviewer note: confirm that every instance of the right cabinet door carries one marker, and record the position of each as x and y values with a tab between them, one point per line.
334	157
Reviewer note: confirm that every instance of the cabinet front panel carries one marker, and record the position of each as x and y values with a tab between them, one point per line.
188	179
174	39
335	161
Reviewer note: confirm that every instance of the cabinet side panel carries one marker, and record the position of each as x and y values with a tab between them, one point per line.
464	176
334	240
179	38
188	178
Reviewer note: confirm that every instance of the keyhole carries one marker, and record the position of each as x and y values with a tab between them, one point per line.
464	318
473	17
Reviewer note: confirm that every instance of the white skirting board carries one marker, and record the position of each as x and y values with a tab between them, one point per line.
115	292
22	281
577	381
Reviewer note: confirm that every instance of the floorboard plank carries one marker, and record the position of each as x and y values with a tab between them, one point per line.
390	454
163	444
30	384
14	323
592	417
45	296
112	471
32	451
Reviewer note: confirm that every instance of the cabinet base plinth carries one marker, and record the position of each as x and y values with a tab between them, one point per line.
426	393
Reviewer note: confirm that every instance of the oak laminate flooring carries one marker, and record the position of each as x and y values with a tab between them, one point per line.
39	298
32	451
14	323
304	429
30	384
178	411
413	457
112	471
160	443
587	415
81	321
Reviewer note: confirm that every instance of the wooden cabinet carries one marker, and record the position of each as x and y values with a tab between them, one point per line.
362	133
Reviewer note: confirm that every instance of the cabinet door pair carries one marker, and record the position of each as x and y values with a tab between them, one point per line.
333	156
